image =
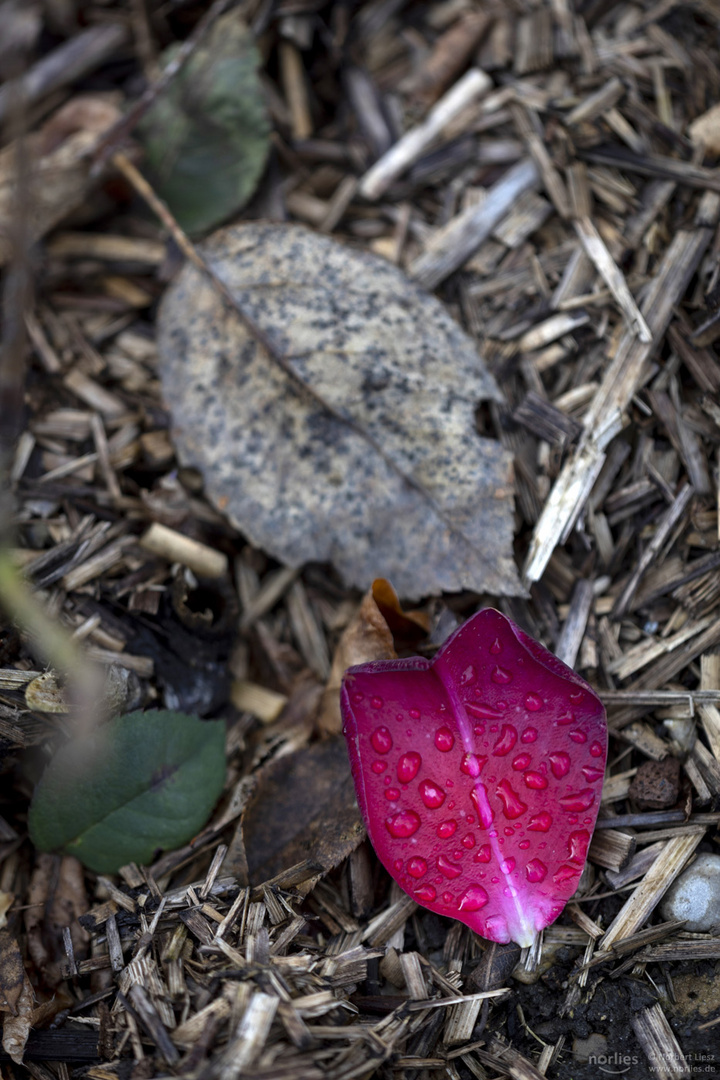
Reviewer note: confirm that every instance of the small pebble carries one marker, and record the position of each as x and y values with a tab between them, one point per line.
594	1046
695	896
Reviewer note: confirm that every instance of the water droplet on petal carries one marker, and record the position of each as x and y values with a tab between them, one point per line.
480	711
513	806
447	829
496	647
473	898
500	676
533	702
560	764
357	697
397	866
392	794
536	870
472	765
541	822
535	780
508	830
449	869
596	749
444	739
577	845
529	735
469	675
496	928
414	714
507	866
479	797
578	737
403	824
524	845
431	794
381	740
521	762
592	775
468	841
425	894
508	738
576	696
484	854
565	873
407	767
581	800
416	867
379	767
377	702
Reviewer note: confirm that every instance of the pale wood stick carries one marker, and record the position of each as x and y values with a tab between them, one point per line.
612	275
408	149
651	889
667	523
657	1039
176	547
574	484
70	61
465	233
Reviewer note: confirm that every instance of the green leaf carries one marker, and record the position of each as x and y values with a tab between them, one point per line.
206	138
142	782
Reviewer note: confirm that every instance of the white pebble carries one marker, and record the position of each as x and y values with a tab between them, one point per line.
695	896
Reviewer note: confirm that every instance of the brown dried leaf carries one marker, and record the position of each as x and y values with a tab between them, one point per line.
304	807
366	637
7	900
57	898
12	973
388	477
16	1028
60	155
407	627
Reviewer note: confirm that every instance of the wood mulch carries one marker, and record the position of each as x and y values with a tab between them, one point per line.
557	195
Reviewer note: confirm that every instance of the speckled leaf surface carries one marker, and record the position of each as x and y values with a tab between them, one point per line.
296	480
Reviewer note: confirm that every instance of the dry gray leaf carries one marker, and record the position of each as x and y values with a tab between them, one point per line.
297	480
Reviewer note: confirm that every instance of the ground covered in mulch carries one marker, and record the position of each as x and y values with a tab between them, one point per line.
274	944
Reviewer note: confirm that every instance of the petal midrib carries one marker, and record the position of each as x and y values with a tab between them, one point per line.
520	927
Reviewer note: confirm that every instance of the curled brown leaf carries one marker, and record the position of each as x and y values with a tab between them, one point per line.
16	1028
366	637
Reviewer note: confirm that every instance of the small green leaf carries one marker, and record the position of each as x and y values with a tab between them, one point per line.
142	782
206	138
